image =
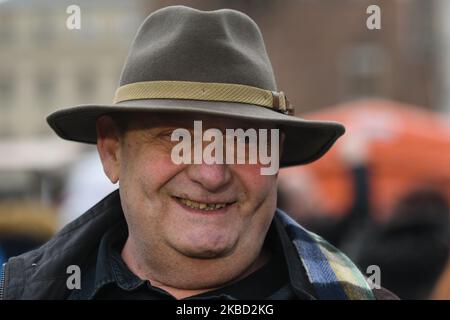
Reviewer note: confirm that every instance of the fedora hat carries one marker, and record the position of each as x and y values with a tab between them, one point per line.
184	60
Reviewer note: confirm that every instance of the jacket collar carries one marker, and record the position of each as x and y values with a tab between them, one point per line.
42	273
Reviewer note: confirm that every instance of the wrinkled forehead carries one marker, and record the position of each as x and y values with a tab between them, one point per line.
148	120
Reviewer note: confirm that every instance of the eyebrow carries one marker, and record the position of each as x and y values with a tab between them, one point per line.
168	120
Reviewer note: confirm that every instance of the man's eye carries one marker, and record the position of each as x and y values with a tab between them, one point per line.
166	135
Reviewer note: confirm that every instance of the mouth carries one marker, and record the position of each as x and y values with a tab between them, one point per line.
203	206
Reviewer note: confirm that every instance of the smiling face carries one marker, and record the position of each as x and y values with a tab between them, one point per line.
198	211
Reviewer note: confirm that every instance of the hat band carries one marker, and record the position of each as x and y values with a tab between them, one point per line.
204	91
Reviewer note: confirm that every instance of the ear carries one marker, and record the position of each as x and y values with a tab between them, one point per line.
108	146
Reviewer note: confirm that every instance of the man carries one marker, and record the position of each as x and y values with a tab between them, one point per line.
208	229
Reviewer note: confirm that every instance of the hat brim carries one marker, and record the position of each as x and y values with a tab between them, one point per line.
306	140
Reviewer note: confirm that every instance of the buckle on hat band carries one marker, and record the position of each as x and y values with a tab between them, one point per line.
204	91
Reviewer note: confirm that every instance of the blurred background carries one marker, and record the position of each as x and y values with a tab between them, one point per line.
381	194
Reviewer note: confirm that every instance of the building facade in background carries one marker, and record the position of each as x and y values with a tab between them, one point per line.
45	66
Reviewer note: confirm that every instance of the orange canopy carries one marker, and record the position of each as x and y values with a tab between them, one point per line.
407	147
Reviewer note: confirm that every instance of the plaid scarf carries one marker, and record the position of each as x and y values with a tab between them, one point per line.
332	274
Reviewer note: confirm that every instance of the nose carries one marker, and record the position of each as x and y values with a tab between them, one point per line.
212	177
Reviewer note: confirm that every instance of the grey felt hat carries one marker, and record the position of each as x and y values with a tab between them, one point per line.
185	60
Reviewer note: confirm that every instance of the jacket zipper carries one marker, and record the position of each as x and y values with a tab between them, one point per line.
2	280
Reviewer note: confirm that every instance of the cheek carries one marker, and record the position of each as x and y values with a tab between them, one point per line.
144	173
258	187
146	170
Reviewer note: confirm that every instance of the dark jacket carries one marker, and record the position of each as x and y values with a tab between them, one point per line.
42	273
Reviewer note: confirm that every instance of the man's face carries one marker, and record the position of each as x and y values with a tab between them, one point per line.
164	202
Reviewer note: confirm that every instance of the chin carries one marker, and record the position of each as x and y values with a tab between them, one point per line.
206	250
205	254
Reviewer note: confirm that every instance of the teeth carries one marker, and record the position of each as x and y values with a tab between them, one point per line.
202	206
